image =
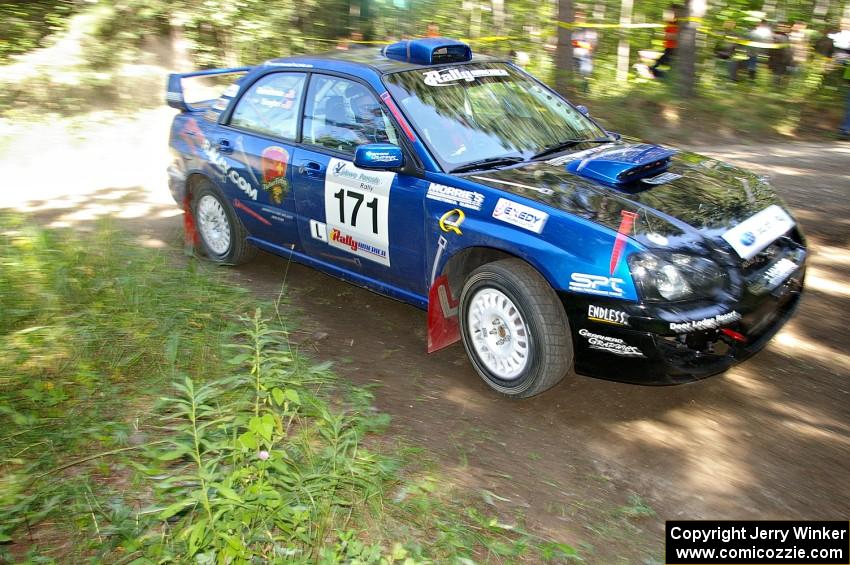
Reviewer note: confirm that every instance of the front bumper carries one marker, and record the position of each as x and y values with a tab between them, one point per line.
648	351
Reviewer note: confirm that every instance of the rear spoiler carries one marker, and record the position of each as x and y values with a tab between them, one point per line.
174	94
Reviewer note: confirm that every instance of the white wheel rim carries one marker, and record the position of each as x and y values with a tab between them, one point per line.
498	333
213	224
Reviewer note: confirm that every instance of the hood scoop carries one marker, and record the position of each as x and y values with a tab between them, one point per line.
619	165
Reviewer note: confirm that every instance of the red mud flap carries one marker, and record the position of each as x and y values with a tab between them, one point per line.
190	232
443	324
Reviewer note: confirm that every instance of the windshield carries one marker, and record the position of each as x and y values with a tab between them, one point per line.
483	111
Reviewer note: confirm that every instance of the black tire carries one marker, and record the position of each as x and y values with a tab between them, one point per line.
550	346
238	250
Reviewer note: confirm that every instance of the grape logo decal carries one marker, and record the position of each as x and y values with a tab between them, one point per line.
274	161
748	238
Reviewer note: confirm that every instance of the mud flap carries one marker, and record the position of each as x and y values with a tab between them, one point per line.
443	323
190	232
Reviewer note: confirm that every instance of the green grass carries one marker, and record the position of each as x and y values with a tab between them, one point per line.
150	413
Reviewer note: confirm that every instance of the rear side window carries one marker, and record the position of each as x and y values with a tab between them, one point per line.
271	105
341	114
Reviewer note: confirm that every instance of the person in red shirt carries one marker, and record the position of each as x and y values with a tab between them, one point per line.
671	42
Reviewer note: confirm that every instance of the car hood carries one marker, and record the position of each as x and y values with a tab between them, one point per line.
698	198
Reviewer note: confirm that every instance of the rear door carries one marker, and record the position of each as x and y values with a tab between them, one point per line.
258	142
366	221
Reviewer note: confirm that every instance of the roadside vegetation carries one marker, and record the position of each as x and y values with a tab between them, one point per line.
152	412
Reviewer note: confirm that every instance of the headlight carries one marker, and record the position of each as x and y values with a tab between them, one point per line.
675	276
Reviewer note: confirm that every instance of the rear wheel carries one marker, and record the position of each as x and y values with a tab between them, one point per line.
223	237
514	329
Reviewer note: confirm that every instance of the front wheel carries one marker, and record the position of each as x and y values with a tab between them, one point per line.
514	329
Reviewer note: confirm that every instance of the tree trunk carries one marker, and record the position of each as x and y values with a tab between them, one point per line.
564	52
687	55
623	47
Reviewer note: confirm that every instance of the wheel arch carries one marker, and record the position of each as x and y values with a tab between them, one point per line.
443	326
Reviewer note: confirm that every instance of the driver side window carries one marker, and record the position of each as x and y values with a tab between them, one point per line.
341	114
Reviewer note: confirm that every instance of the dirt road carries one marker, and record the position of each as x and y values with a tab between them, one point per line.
594	463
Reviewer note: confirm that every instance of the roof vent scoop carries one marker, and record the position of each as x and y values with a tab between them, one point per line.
429	51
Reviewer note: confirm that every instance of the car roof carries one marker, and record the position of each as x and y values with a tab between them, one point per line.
369	57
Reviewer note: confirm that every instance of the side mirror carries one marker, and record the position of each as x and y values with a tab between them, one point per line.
614	135
378	156
583	110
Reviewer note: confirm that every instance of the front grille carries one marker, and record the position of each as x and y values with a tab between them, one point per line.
783	248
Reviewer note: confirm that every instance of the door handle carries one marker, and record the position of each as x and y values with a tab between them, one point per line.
312	169
224	146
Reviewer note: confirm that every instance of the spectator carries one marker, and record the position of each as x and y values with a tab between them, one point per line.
779	57
671	41
433	30
760	34
727	50
799	46
584	43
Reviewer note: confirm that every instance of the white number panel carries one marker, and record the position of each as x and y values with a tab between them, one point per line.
357	205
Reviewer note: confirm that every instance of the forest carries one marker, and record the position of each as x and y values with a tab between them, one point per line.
764	67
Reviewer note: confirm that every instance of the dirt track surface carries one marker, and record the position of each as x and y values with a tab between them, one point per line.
585	462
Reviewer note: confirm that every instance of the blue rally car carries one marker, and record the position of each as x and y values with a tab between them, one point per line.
466	187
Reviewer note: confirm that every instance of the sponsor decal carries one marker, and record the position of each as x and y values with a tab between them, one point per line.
661	179
610	344
607	315
318	230
706	323
451	76
451	221
520	215
757	232
193	136
779	271
220	163
657	238
231	90
266	90
244	207
220	104
627	223
277	214
358	247
357	203
287	64
774	276
596	284
381	156
455	196
274	160
172	96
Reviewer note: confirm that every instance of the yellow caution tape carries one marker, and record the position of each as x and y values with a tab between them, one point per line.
590	25
745	42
